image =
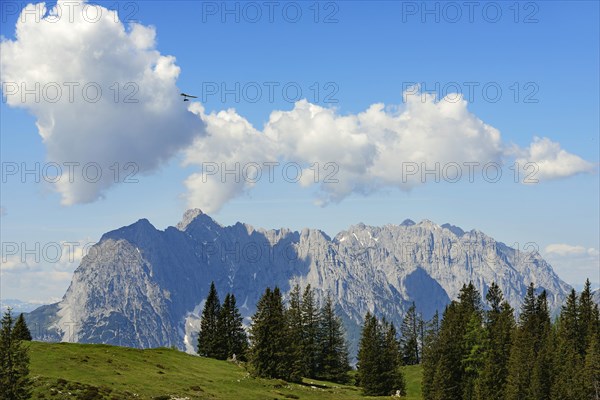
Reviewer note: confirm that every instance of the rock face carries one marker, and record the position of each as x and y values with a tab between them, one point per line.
142	287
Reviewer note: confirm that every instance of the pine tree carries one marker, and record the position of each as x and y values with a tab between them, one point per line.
379	371
210	338
543	371
591	376
369	367
469	301
392	378
523	352
409	331
447	378
20	330
499	326
430	356
333	357
474	341
220	348
296	329
14	363
531	360
448	371
270	352
569	361
310	329
233	341
586	317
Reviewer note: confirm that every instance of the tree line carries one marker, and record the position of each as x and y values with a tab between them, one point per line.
285	341
482	351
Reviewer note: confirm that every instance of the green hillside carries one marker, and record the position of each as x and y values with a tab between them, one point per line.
77	371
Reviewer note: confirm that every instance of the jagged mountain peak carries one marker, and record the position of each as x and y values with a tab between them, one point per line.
312	233
140	228
454	229
188	217
426	223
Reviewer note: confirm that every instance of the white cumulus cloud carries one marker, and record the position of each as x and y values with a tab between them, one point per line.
551	161
575	263
426	139
103	97
232	144
563	249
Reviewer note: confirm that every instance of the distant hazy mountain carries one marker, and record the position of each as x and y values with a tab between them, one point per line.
143	287
17	306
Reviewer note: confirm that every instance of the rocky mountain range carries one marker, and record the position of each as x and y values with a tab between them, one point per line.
17	306
144	287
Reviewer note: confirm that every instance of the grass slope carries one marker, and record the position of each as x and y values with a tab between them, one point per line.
94	372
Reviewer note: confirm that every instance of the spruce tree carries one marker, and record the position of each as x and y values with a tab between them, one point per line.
270	353
409	332
447	379
430	356
333	357
369	352
586	317
20	330
531	360
379	371
210	339
296	329
591	372
233	340
457	348
14	363
310	329
523	350
392	378
568	384
474	341
499	326
543	371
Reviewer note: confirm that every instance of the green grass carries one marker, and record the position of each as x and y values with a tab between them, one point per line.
413	374
94	372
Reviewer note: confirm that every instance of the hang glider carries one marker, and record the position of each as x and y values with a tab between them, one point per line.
187	97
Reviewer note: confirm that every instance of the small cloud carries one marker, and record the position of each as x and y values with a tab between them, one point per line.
593	252
551	160
13	263
563	249
573	263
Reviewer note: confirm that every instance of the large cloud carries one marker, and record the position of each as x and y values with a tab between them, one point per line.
132	130
425	140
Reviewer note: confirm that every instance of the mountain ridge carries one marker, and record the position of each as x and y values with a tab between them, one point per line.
143	287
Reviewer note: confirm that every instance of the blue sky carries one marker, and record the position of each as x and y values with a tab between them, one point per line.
544	59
